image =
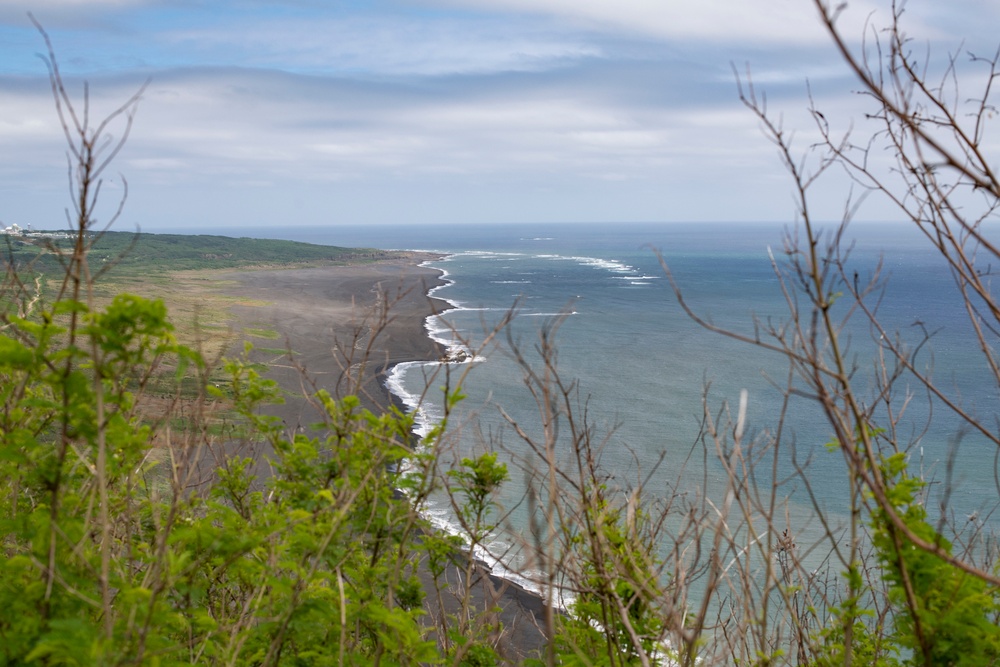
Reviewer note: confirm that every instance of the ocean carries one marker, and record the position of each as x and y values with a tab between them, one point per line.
647	374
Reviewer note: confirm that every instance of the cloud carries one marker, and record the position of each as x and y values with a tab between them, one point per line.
386	45
474	109
771	23
65	13
498	123
217	138
238	133
753	21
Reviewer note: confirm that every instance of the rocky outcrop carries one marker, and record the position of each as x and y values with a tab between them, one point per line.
456	355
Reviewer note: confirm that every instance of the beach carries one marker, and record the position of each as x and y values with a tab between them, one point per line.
342	329
324	327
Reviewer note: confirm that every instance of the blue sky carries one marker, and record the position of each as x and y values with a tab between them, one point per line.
317	112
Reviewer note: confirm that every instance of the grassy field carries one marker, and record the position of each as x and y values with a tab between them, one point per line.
189	274
199	307
185	271
130	254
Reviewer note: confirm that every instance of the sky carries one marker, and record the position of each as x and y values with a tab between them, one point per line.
324	112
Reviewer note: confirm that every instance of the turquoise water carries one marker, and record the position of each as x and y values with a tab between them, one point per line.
647	372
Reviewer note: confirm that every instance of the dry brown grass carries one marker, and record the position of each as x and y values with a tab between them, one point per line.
200	307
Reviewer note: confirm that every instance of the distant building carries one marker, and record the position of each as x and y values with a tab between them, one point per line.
13	230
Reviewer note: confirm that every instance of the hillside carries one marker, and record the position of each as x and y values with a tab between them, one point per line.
133	253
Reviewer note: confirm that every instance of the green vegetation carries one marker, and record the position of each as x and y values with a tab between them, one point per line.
129	541
276	351
269	334
132	254
952	615
112	558
185	271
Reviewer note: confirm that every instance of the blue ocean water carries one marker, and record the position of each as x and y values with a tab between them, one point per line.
648	375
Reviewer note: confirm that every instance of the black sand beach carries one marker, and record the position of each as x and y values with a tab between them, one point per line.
327	317
331	320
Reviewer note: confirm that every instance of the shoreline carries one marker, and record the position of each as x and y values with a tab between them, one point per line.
324	318
339	328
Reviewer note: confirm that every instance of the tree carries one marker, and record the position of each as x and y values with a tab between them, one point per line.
927	597
110	555
117	550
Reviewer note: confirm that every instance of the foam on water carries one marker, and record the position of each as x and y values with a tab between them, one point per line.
634	352
645	366
427	415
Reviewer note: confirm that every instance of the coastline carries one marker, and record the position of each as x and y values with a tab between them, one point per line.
312	327
339	328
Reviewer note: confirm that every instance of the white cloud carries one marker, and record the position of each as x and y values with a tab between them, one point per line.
757	21
625	109
55	13
771	23
383	45
83	4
